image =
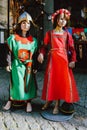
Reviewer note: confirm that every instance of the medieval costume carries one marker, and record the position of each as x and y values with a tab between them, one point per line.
22	85
22	46
59	83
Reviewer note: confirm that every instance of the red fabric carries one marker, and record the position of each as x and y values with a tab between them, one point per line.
30	38
42	50
23	40
59	83
46	41
77	30
70	46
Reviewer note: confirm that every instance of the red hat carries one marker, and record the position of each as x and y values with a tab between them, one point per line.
60	11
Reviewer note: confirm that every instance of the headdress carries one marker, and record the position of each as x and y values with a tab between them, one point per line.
60	11
24	16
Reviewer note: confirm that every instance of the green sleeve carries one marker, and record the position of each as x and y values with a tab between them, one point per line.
10	41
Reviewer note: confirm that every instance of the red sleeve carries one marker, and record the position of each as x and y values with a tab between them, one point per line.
46	41
47	38
71	47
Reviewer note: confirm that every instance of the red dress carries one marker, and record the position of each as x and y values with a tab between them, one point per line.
59	83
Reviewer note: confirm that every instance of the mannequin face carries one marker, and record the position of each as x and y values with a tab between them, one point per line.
61	22
25	26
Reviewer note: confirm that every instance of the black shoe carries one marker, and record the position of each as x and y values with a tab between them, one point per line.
67	108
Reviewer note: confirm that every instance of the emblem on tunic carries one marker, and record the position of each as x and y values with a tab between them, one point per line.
23	54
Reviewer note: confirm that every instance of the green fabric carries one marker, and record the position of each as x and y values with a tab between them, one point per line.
85	30
17	89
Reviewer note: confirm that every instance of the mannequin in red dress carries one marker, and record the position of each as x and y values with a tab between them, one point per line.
59	83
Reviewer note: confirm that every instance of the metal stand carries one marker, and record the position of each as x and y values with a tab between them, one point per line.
47	114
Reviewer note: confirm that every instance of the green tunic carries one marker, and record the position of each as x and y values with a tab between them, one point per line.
22	85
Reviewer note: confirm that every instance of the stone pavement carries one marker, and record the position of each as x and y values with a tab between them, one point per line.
18	119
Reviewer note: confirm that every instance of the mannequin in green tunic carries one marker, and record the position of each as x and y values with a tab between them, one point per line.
22	45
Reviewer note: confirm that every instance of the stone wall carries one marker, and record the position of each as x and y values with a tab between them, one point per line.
3	11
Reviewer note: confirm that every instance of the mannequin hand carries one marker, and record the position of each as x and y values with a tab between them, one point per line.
40	58
72	64
8	68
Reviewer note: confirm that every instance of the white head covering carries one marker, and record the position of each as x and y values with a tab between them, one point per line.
24	16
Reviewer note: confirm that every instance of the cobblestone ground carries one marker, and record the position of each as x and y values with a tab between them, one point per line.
18	119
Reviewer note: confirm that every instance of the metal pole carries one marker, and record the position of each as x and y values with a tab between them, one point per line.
8	18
